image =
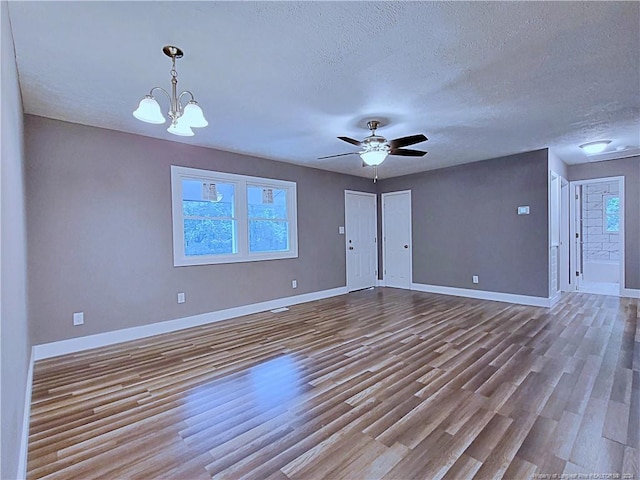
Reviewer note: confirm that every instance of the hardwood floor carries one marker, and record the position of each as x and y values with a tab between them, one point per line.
380	383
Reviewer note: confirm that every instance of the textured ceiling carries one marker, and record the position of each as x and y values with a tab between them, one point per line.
282	80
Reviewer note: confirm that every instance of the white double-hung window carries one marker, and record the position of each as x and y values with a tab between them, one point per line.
223	218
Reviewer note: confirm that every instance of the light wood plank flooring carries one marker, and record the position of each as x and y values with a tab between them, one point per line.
380	383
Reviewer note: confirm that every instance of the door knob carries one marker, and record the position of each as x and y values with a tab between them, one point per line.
406	246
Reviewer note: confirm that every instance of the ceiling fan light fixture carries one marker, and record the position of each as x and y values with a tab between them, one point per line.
376	148
593	148
373	157
149	111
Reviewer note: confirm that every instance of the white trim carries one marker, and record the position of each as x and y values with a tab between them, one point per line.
554	221
554	214
555	299
26	417
384	236
79	344
486	295
630	293
564	259
573	254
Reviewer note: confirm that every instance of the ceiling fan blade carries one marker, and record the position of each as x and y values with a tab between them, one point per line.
351	141
407	153
338	155
406	141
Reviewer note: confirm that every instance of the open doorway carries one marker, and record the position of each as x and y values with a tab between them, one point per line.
597	221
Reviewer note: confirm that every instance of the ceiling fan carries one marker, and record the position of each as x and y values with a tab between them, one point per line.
375	148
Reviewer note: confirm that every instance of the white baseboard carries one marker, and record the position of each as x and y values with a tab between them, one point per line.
553	300
72	345
24	437
631	293
484	295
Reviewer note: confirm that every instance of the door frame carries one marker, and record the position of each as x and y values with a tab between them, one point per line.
565	237
572	225
559	227
384	243
346	233
555	235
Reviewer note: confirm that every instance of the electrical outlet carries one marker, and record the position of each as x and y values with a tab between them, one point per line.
294	284
181	297
475	279
78	318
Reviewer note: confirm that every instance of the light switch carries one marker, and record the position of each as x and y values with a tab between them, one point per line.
78	318
341	230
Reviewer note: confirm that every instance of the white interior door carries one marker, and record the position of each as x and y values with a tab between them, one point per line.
396	225
361	240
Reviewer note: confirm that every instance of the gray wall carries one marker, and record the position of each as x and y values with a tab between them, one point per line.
100	241
465	223
629	168
15	348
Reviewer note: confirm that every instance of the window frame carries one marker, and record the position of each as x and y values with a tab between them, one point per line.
241	184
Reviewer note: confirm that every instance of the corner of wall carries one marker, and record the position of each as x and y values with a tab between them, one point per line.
14	351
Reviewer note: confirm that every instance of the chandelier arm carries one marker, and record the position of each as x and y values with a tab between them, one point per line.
186	92
162	90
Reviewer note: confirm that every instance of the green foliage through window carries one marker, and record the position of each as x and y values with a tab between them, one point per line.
612	213
268	225
209	225
208	237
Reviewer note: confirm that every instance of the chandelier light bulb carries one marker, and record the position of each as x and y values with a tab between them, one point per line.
193	115
149	111
180	128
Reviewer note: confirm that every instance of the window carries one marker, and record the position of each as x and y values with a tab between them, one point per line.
224	218
209	220
268	222
611	213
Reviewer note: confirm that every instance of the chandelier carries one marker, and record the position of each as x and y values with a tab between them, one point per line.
183	118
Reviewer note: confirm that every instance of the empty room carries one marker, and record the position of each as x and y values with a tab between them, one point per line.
320	240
